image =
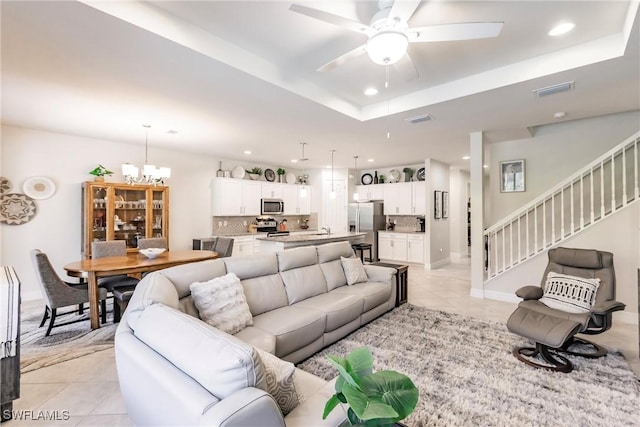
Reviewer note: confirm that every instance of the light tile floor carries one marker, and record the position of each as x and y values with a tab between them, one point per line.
87	387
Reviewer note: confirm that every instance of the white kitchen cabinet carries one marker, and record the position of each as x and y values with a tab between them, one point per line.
392	246
419	198
370	192
272	191
243	245
236	197
294	203
415	248
398	199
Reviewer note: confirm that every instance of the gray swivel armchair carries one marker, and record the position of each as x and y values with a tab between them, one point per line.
61	294
553	329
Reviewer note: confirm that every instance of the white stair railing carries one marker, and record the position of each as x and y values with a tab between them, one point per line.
600	189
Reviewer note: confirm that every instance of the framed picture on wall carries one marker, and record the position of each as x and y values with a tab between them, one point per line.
512	177
445	204
437	204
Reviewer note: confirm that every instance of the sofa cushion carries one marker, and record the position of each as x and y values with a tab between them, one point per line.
252	266
304	282
333	274
293	327
297	257
279	376
569	293
258	338
153	288
265	293
353	270
221	303
219	362
373	293
333	251
340	309
182	276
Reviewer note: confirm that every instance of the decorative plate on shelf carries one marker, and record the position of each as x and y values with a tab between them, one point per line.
238	172
420	174
366	179
5	185
394	176
291	178
269	175
16	208
39	187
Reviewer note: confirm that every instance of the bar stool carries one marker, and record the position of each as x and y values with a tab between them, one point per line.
361	247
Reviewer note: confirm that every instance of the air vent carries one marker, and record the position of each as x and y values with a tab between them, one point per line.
550	90
420	118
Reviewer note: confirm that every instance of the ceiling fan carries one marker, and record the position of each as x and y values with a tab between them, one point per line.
389	33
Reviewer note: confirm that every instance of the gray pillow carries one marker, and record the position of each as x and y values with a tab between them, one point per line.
353	270
222	304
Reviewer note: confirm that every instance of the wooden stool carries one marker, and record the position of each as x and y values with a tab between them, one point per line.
121	298
363	247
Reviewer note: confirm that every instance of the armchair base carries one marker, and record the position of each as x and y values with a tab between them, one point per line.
598	350
554	362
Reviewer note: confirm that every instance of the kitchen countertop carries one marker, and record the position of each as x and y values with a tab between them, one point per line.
311	237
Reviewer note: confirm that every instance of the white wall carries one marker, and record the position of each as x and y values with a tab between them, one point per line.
554	153
459	182
67	159
613	234
438	233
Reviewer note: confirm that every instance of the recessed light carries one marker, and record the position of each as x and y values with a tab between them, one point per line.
294	160
370	91
485	166
466	157
561	29
371	160
247	152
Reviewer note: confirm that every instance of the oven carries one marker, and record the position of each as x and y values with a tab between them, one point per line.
271	207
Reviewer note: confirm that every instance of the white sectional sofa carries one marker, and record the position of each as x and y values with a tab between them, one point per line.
174	369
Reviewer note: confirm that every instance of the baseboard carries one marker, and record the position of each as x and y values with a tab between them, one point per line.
438	264
619	316
31	296
457	256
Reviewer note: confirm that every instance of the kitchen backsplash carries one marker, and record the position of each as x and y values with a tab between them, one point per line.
404	223
239	224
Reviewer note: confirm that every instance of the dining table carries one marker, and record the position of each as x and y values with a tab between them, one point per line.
132	264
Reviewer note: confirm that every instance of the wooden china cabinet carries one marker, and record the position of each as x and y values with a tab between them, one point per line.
119	211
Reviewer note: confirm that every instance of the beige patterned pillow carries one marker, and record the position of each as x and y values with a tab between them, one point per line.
222	304
280	381
569	293
353	270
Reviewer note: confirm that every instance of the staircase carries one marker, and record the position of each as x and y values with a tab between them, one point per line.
600	189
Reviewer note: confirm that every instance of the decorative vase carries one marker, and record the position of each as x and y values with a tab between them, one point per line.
254	176
280	178
99	179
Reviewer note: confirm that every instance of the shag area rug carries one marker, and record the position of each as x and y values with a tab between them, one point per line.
65	342
467	376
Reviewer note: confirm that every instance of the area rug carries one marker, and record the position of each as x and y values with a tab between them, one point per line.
466	374
65	342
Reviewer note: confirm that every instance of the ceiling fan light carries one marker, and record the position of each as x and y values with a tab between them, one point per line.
387	47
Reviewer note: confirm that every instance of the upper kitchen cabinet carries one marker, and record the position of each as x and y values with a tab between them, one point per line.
294	202
272	191
405	198
370	192
118	211
236	197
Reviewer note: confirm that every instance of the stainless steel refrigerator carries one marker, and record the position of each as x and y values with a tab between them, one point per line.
368	218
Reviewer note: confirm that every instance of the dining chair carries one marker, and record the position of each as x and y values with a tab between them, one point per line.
108	249
153	242
224	246
59	293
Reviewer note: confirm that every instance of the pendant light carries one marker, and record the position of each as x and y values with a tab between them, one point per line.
355	179
150	173
332	194
303	190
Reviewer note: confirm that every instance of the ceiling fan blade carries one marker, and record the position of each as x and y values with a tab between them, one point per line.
450	32
406	68
349	24
403	9
343	58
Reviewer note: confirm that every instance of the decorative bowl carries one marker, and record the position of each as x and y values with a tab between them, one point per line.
152	252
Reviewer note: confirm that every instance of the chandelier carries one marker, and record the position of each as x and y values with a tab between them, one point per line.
150	173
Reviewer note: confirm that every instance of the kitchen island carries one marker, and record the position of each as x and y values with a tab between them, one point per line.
281	243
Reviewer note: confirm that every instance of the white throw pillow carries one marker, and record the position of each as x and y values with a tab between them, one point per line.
569	293
279	375
222	304
353	270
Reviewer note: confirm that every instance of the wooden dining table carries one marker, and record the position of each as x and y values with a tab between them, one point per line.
133	263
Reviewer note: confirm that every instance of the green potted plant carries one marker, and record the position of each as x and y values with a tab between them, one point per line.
381	179
374	398
99	173
280	173
408	174
254	172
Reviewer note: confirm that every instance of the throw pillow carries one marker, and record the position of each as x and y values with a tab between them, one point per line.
280	381
353	270
222	304
569	293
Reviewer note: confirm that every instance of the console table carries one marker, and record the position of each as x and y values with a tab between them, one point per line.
402	273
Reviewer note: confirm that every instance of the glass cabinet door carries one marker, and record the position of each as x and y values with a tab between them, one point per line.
158	213
97	208
130	215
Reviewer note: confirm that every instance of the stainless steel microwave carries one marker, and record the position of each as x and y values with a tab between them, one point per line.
271	207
